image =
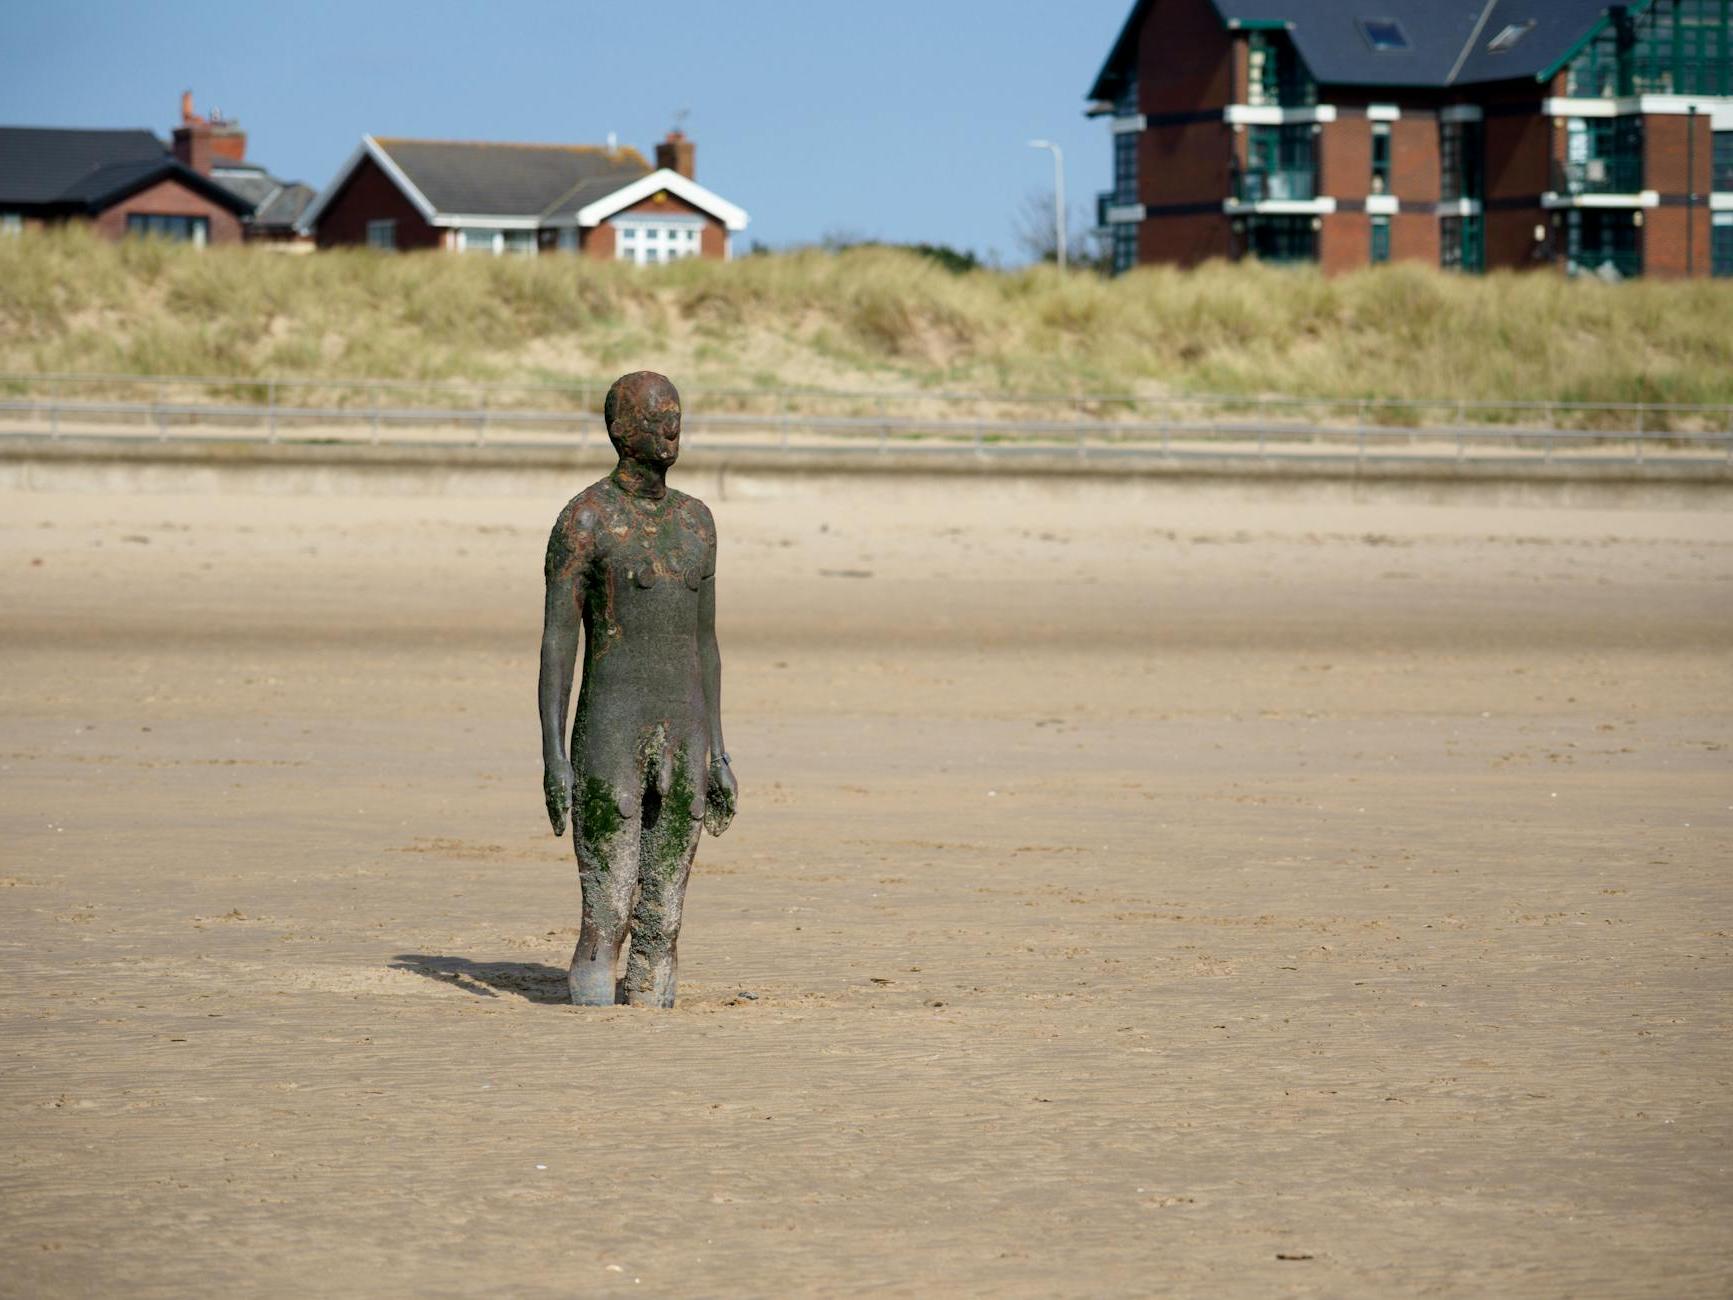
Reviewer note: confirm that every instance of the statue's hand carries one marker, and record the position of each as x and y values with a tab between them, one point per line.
557	791
721	796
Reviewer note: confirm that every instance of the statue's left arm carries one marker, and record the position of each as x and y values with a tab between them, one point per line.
721	792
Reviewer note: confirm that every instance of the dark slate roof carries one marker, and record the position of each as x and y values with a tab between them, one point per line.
276	203
1447	39
40	163
508	180
106	186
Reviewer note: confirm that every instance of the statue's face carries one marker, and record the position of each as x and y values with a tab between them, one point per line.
647	424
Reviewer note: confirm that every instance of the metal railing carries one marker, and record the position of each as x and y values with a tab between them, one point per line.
410	412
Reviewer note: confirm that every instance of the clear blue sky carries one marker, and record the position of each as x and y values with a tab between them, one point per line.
898	119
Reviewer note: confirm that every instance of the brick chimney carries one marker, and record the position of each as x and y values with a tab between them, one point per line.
203	143
678	154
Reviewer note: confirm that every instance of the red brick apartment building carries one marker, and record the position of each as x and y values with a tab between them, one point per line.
481	197
200	190
1468	134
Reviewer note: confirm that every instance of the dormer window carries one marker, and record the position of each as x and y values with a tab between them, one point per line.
1384	35
1507	39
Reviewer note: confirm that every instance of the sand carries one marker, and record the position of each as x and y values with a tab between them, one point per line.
1184	892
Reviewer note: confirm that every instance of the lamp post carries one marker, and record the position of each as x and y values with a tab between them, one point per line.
1058	193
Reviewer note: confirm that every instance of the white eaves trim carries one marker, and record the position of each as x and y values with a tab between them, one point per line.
1279	207
1641	199
1274	115
368	148
593	214
1383	205
464	220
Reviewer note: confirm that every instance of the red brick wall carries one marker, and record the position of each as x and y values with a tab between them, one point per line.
1668	142
369	195
1518	154
1345	158
171	198
1414	237
1413	163
1677	156
1184	241
1665	252
1510	241
1185	58
598	242
1345	242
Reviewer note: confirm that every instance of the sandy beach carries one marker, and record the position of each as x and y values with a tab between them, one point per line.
1189	891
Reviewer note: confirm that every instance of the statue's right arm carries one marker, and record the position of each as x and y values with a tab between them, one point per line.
562	622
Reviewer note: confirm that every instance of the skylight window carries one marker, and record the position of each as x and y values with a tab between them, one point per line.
1384	34
1506	40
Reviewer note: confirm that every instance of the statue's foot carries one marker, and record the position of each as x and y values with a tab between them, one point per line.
592	984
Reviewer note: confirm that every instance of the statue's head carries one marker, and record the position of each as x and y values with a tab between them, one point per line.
643	416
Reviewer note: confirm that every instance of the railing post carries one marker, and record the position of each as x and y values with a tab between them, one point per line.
157	412
782	416
1360	431
374	393
1642	428
481	421
271	411
54	410
885	429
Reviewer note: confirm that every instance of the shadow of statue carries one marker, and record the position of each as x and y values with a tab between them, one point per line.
529	980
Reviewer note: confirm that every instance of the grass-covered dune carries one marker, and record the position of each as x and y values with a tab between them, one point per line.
870	318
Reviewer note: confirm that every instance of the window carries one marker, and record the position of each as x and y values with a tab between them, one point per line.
1722	167
1461	245
1672	47
1279	164
1281	239
1380	157
382	234
521	242
1125	102
648	242
1603	242
11	223
1603	155
1380	240
1124	247
1276	75
1459	159
1384	34
1125	167
1721	244
180	230
1508	38
568	242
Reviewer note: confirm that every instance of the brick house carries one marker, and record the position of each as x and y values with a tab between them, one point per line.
470	196
1469	134
120	182
200	190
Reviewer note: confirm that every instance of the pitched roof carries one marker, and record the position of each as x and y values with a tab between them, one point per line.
276	203
1449	42
506	180
40	163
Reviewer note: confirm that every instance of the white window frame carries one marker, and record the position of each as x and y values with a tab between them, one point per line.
649	241
492	240
11	223
382	234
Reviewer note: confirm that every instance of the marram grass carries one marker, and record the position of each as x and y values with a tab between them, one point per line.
870	318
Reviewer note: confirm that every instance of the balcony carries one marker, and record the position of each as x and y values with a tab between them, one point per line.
1106	201
1619	174
1265	185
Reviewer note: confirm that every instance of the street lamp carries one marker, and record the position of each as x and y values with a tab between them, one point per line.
1058	193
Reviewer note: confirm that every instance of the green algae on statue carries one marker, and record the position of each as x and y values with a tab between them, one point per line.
631	563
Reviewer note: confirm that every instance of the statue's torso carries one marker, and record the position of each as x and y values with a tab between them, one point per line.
643	563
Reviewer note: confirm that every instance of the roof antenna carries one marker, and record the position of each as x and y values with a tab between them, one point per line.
680	116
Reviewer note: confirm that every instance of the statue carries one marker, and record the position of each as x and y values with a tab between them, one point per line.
633	562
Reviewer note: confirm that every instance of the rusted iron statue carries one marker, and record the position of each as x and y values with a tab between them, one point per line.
633	563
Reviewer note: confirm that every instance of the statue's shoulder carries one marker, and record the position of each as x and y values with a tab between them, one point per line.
694	512
590	507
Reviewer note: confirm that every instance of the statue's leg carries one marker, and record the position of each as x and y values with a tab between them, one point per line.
670	839
607	848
